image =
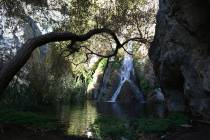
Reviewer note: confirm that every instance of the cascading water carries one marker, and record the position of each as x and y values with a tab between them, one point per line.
125	75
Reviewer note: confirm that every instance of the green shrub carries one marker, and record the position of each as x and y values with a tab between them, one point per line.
102	64
20	96
145	85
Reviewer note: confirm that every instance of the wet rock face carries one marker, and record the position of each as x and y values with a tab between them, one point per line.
127	94
180	54
113	79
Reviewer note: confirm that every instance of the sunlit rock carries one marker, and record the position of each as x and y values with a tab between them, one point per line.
94	86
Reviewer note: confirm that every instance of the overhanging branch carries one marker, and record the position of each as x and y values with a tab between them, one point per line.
12	67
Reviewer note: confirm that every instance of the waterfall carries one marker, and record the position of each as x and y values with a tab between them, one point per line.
126	69
125	75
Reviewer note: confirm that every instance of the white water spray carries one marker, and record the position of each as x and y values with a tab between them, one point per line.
125	74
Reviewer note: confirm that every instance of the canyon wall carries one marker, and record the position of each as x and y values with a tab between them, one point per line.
180	54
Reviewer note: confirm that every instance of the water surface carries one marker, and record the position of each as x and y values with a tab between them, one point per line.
79	117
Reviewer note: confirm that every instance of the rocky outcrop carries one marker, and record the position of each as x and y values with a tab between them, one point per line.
120	82
156	96
109	83
129	93
93	88
180	54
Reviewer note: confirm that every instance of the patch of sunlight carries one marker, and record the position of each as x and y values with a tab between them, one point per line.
80	119
105	3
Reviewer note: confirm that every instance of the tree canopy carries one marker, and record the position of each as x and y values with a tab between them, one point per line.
117	22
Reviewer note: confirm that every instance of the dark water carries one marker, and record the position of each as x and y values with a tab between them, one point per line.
79	117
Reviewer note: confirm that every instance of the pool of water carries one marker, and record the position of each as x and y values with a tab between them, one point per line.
79	117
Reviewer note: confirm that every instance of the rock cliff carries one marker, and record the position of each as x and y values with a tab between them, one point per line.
180	54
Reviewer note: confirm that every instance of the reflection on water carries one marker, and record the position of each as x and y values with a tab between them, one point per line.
79	117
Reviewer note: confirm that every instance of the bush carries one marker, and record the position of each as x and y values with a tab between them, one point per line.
102	64
20	96
65	89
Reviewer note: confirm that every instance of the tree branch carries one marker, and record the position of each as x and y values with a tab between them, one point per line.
101	55
23	54
12	67
138	39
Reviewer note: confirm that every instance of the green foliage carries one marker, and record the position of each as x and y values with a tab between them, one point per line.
64	89
20	96
110	127
98	69
178	118
146	86
95	66
57	78
67	90
47	83
10	116
59	65
114	128
117	63
80	16
151	125
140	69
102	64
158	125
